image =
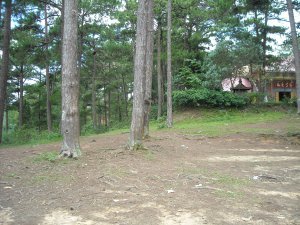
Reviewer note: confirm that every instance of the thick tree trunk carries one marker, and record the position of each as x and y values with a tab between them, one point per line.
149	66
296	51
70	83
21	96
169	69
159	74
137	121
48	88
5	61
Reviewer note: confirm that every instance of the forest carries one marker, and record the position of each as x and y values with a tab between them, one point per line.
149	112
122	62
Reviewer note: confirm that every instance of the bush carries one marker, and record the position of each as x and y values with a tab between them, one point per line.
208	98
29	136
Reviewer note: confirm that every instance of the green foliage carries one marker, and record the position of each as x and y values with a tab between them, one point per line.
162	122
196	74
208	98
46	156
30	136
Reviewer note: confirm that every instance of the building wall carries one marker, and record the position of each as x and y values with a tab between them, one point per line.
282	84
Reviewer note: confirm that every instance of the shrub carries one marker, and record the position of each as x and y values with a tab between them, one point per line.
208	98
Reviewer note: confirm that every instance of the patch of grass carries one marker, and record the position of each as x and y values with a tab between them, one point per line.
226	186
46	157
227	180
149	155
223	122
29	137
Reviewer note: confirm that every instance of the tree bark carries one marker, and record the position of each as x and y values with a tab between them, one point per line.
70	126
6	117
149	67
137	121
21	96
125	95
5	61
169	69
94	110
296	51
1	13
159	74
48	88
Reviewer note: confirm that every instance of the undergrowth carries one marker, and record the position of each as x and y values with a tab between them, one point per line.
198	121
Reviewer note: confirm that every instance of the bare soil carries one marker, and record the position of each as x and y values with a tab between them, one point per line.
180	179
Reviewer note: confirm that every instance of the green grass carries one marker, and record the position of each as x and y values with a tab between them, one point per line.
222	122
204	122
46	157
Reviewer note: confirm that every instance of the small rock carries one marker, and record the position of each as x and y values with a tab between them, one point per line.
198	186
247	219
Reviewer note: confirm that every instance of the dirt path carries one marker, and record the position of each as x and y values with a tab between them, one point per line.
181	179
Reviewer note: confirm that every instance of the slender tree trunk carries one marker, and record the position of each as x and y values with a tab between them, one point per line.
149	67
70	126
39	115
48	88
6	117
21	96
264	48
108	107
169	69
5	62
1	13
125	95
137	121
105	105
159	74
94	109
296	51
119	108
62	26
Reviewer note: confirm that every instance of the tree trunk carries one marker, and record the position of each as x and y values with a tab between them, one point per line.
48	88
6	117
137	121
21	96
159	74
295	50
105	105
70	83
264	48
169	69
94	110
1	13
5	62
119	107
125	95
149	67
40	96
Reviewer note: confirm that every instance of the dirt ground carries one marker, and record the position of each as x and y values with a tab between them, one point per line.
182	178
